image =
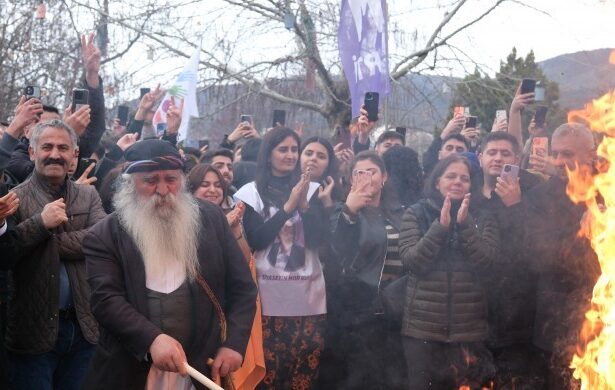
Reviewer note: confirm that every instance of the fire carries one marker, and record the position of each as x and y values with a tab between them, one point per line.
594	362
612	57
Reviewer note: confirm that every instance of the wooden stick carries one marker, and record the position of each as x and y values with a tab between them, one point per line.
205	381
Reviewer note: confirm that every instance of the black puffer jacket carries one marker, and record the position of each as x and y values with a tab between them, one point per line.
444	300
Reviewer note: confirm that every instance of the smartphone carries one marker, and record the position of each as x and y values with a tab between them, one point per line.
471	122
528	85
143	92
80	98
203	142
371	102
501	114
342	136
540	146
539	94
122	115
402	131
82	165
32	92
540	116
160	129
510	171
246	118
360	173
279	118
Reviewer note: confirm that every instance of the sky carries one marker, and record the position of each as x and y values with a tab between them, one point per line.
549	27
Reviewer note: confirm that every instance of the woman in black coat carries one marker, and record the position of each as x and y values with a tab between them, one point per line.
444	244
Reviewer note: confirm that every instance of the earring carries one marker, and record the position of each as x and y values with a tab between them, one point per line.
382	184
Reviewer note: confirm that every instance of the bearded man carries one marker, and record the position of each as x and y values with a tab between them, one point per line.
163	269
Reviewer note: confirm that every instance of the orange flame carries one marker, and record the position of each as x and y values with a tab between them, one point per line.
612	57
594	362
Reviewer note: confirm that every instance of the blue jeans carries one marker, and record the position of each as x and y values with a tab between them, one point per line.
62	368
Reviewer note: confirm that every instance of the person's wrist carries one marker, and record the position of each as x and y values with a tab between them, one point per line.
287	208
15	130
232	138
91	78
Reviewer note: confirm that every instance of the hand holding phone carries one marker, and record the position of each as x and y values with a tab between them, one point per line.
507	186
80	98
371	103
32	92
122	115
279	118
528	86
471	122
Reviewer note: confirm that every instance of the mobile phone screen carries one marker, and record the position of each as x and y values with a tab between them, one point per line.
122	115
371	105
528	85
279	118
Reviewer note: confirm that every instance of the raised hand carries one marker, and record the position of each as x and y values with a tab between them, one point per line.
462	214
344	156
91	59
26	113
127	140
508	190
299	190
324	192
470	133
174	116
84	179
360	193
521	101
54	214
453	126
364	126
145	111
445	213
243	130
78	120
234	217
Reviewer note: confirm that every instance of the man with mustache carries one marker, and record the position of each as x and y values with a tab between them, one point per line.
565	263
169	283
51	331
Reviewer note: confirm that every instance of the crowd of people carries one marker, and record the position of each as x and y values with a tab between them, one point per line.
276	262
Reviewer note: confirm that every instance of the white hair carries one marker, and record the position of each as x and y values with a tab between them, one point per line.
164	229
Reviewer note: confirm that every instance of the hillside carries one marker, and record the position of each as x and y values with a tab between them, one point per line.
581	76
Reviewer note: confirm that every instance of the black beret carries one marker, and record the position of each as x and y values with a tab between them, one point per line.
152	155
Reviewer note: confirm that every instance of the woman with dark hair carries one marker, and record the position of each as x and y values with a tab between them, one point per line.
364	237
285	224
405	175
318	156
445	244
207	183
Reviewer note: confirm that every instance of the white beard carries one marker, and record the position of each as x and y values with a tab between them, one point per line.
165	230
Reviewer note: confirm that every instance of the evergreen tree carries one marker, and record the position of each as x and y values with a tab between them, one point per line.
484	94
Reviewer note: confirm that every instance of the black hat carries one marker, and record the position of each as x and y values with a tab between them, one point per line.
152	155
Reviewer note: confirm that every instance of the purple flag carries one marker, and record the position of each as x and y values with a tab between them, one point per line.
362	41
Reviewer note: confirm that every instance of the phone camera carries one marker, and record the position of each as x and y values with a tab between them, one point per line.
507	168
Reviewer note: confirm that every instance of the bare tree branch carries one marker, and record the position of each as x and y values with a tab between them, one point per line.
403	67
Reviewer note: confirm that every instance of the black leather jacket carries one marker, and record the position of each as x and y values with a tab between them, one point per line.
360	246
